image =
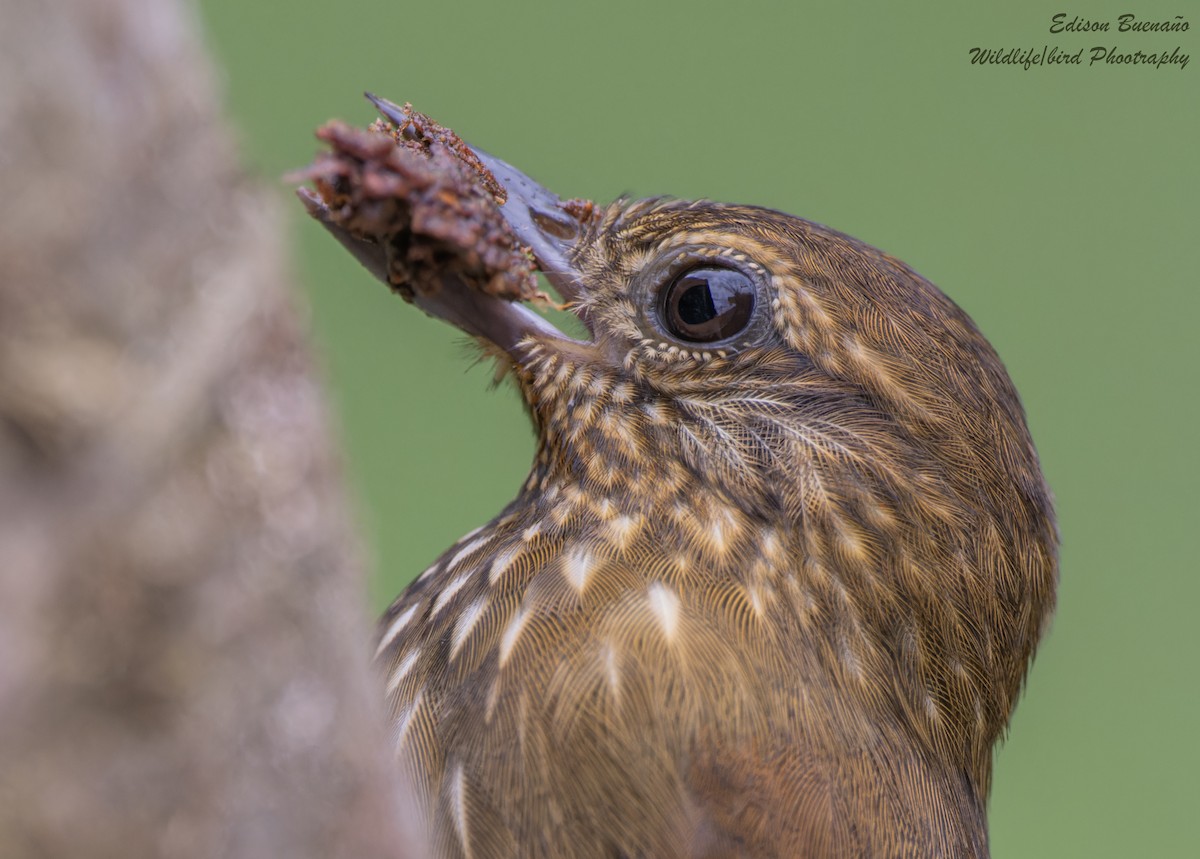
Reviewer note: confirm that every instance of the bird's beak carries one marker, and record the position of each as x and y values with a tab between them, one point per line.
541	222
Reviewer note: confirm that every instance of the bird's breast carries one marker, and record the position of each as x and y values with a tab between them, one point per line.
664	674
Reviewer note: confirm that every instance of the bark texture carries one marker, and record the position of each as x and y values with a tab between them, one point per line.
183	632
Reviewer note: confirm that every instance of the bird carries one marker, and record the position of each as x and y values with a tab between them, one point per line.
776	576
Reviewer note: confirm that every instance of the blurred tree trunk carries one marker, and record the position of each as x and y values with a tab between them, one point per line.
183	640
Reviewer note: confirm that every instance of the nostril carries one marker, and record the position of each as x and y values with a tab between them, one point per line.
560	225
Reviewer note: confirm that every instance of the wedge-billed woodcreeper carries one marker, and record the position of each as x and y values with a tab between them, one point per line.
775	578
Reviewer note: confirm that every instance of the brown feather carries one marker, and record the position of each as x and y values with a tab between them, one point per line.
767	601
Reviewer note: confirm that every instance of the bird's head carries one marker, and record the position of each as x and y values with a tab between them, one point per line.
793	370
767	396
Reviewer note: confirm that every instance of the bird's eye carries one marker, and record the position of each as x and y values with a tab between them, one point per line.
706	304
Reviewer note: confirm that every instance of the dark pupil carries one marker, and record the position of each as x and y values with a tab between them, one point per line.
708	304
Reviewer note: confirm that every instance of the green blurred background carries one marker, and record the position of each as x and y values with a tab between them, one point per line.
1057	205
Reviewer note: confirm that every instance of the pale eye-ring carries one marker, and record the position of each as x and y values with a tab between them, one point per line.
706	304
